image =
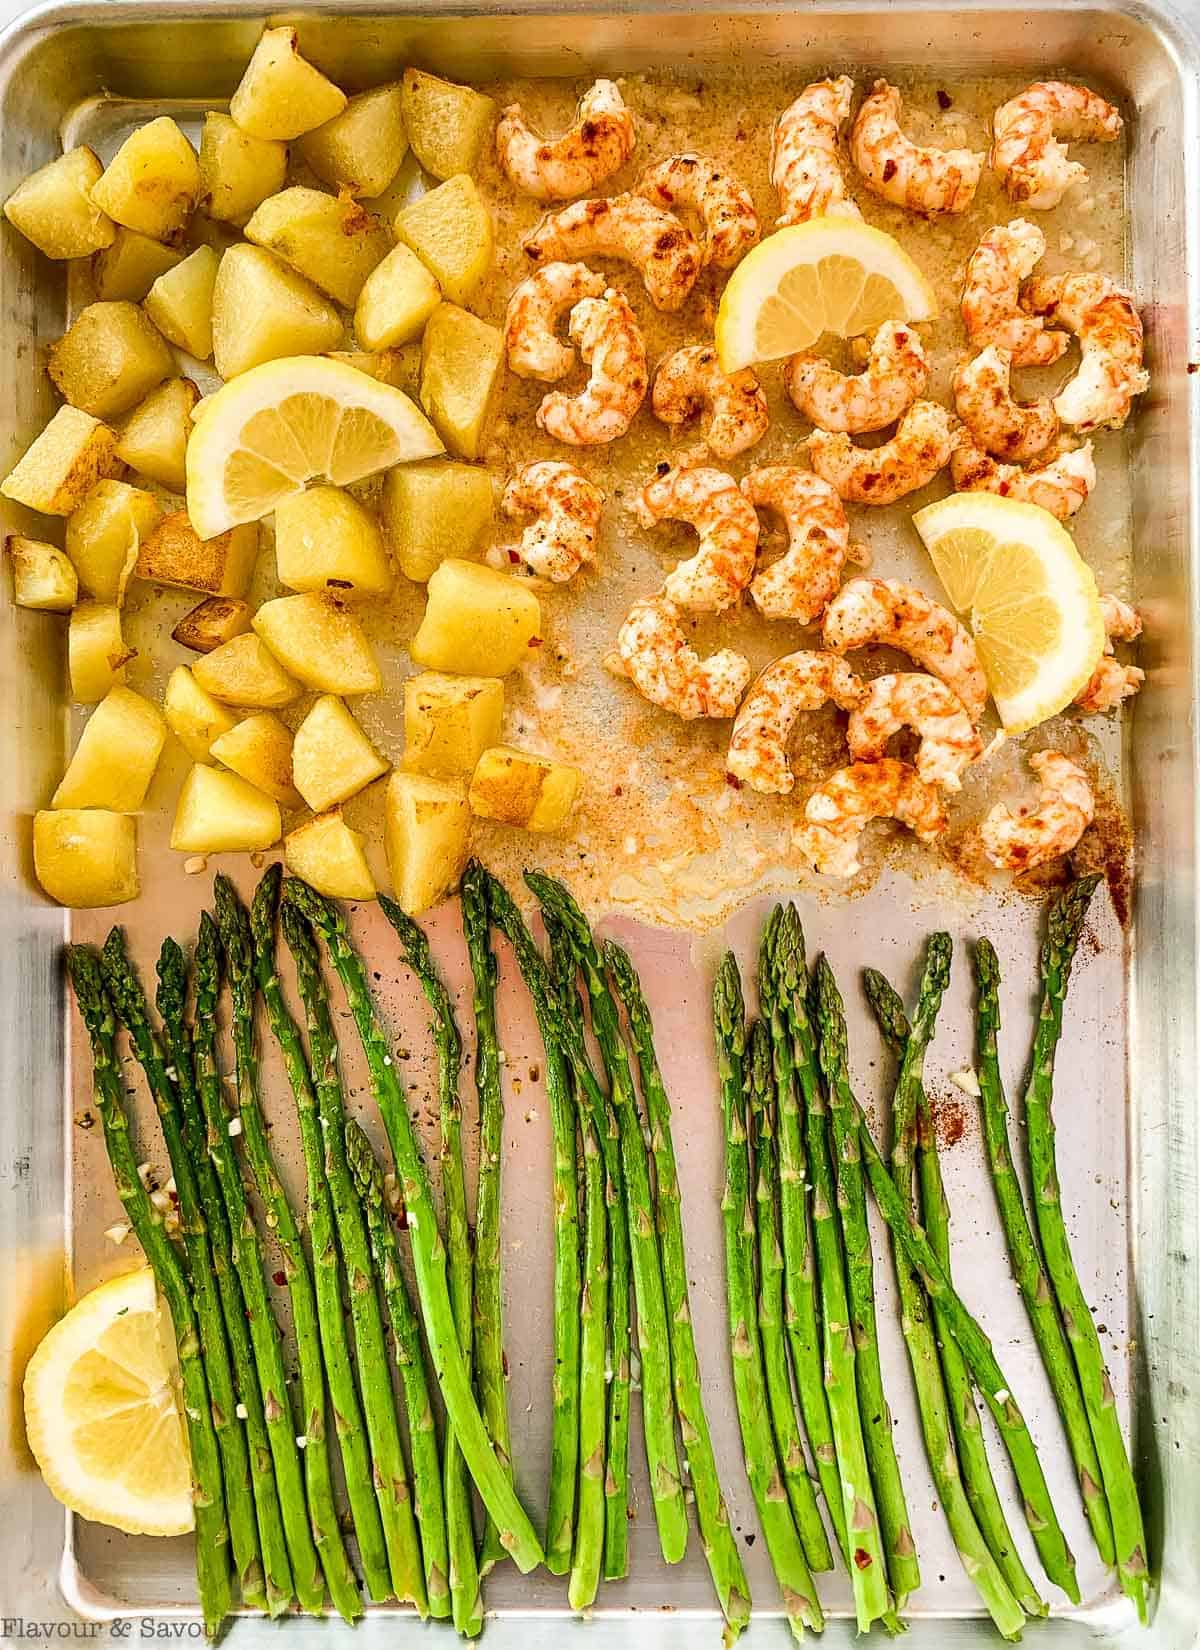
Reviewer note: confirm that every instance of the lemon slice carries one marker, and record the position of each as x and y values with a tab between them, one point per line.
827	275
1030	598
269	431
101	1412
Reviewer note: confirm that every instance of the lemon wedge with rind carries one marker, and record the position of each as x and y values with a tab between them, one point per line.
268	432
101	1413
1030	598
831	274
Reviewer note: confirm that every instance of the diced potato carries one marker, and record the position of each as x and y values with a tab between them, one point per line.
398	297
447	125
62	466
329	856
263	310
433	509
180	303
54	208
193	715
109	359
175	554
401	368
96	651
320	642
221	813
125	271
43	575
260	749
462	359
84	857
477	622
153	438
449	721
212	623
281	95
103	536
518	788
360	149
237	171
331	240
427	826
325	539
332	758
246	673
450	230
152	181
116	756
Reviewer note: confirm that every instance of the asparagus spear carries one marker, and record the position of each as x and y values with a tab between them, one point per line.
125	993
466	1598
322	1508
365	1315
974	1466
372	1457
172	992
493	1483
208	1494
1064	925
1025	1256
801	1604
490	1379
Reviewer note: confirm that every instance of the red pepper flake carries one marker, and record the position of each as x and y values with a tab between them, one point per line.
944	100
732	779
889	170
536	641
278	1279
862	1560
513	557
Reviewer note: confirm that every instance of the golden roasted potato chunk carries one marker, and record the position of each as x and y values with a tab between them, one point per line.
125	271
325	539
212	623
331	240
54	208
427	826
180	303
518	788
193	715
244	672
152	181
153	438
320	642
449	721
329	856
96	651
462	359
398	297
43	575
260	749
281	95
175	554
109	359
221	813
262	310
477	622
116	756
57	472
103	536
360	149
447	125
332	758
237	171
433	509
450	230
85	857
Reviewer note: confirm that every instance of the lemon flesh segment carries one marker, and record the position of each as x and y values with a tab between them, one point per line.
1030	598
271	430
102	1415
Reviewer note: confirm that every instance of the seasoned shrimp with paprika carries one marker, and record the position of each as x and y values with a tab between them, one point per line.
566	507
629	229
839	811
724	206
950	741
895	374
558	169
690	382
1026	154
991	296
806	167
798	682
1112	682
1002	425
881	475
888	613
922	179
530	326
653	652
610	342
1018	839
804	579
711	502
1104	318
1060	483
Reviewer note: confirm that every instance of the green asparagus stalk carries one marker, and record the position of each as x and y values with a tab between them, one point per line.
466	1598
208	1494
1065	921
801	1604
172	993
493	1483
1025	1256
236	940
127	997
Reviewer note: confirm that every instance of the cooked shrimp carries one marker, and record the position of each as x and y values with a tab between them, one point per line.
610	341
1004	426
916	176
653	652
1032	165
805	166
567	507
723	205
1112	682
1122	623
800	584
690	381
558	169
1007	255
709	501
798	682
627	228
881	475
1018	840
839	811
866	612
949	740
1061	484
534	309
1103	317
896	372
